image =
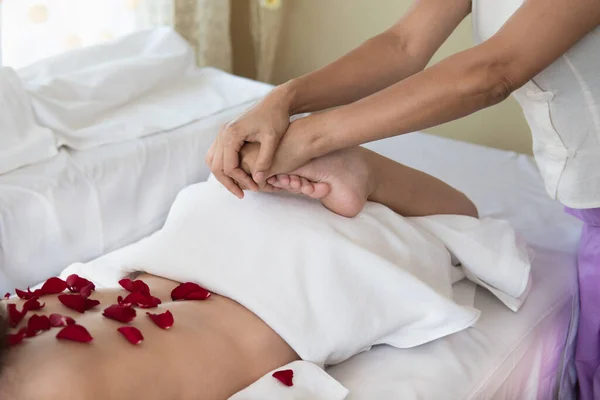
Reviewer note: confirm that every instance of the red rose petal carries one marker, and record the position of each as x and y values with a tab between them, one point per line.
189	291
200	295
32	304
77	302
15	338
25	295
126	284
37	323
57	320
75	333
73	301
286	377
133	299
7	296
164	320
85	284
54	286
140	287
136	286
77	284
87	290
72	280
140	300
120	313
133	335
90	303
155	300
14	315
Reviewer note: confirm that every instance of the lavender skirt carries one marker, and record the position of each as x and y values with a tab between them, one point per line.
587	352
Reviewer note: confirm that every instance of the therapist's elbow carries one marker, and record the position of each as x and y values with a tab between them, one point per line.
500	85
487	82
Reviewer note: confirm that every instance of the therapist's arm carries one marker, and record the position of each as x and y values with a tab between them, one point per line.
536	35
399	52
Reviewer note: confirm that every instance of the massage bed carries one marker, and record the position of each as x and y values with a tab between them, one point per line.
83	203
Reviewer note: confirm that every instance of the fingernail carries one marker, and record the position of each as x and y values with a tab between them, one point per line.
259	176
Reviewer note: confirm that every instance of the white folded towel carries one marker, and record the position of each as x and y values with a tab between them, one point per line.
487	252
309	383
330	286
22	140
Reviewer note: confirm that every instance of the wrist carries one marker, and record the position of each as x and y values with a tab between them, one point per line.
318	133
286	95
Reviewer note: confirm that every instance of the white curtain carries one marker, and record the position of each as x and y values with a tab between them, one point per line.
36	29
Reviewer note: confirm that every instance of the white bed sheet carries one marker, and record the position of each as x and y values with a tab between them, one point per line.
509	356
82	204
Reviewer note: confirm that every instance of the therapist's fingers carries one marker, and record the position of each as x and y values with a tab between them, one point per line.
267	188
231	163
231	153
217	170
229	184
210	154
244	179
270	189
265	158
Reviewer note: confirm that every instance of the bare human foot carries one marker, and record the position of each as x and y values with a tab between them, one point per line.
342	181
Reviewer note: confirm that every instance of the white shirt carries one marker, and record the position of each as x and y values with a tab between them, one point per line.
562	106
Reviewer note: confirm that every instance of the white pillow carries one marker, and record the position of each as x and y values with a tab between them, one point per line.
330	286
132	87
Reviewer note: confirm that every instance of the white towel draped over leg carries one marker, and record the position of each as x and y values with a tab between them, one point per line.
330	286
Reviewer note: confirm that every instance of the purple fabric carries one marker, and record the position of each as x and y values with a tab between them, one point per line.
587	352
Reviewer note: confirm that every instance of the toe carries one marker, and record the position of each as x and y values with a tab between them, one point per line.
283	181
307	187
295	182
272	180
321	190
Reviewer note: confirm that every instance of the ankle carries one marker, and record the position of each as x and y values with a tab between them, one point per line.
373	182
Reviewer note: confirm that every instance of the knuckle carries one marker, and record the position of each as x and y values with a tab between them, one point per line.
232	129
271	135
216	170
238	175
228	169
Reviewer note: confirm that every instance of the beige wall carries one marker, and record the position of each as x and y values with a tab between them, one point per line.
316	32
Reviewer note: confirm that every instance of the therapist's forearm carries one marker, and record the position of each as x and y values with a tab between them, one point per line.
377	64
401	51
453	88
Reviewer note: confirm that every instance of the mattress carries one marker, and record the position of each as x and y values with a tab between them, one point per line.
524	355
82	204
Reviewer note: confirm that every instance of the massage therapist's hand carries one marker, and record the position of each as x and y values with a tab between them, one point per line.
304	141
300	144
248	156
264	123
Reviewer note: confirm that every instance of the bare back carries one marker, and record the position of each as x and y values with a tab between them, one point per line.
215	348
